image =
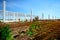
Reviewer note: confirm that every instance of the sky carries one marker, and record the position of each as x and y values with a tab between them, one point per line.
47	7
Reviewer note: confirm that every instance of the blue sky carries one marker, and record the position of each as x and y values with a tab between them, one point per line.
48	7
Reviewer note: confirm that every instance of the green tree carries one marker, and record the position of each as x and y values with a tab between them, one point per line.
25	20
36	18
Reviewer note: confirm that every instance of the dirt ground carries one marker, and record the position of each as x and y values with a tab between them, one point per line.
52	32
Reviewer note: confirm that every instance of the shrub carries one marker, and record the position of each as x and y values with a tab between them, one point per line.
34	29
5	33
29	32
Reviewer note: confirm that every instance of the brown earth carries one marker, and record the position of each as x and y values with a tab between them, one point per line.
49	31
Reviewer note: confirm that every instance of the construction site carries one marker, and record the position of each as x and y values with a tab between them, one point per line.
34	28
